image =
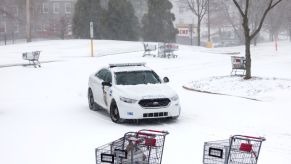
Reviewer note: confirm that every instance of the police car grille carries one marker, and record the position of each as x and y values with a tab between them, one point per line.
158	114
152	103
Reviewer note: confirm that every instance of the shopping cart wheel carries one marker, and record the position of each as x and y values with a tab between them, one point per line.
91	102
114	113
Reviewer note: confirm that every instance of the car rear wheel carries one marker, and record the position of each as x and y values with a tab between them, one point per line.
91	102
114	113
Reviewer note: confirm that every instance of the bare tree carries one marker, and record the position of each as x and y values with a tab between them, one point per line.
199	9
232	20
254	16
277	19
249	35
30	15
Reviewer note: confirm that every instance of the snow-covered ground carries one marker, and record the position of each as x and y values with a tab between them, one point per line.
260	89
44	116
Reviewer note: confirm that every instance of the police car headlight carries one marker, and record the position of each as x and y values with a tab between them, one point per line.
175	98
128	100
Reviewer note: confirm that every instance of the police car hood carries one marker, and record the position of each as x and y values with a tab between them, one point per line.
145	91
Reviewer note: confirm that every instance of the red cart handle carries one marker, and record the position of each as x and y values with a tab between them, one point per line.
149	132
250	137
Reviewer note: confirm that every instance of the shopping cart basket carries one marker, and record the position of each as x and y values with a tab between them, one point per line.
32	57
238	64
238	149
142	147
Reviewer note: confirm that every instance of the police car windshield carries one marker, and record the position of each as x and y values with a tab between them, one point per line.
136	77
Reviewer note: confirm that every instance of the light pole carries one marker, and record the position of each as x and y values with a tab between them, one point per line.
92	37
28	30
208	23
191	34
289	24
209	44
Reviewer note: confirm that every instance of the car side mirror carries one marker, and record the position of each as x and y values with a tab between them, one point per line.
106	83
166	79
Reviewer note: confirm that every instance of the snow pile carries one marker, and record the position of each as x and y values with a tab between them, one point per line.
254	88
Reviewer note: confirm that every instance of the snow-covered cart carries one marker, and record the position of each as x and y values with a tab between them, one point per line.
238	65
238	149
148	48
166	50
142	147
32	58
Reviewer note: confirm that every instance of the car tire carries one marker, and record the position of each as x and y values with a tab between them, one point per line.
91	102
114	113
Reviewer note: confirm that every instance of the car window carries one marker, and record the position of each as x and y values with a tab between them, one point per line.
136	77
108	76
101	74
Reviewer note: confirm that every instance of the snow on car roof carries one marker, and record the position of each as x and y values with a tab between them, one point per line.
130	68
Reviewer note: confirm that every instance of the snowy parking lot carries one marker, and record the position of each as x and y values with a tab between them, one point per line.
45	119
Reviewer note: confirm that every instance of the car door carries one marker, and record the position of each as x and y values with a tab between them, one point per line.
97	86
106	90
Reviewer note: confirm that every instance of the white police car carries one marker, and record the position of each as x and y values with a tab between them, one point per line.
132	91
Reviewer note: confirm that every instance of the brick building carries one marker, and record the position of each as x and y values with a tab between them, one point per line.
49	18
12	22
53	18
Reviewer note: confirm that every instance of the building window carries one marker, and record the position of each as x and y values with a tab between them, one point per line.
16	27
181	21
181	10
15	11
54	27
3	12
39	28
68	8
2	27
45	8
69	29
56	7
44	27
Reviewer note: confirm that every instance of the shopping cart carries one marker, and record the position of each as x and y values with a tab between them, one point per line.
238	149
238	64
148	48
32	58
142	147
166	50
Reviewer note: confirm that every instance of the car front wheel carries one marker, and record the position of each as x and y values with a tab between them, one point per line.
114	113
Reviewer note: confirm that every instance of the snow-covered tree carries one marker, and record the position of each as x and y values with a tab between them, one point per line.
86	11
199	9
122	24
158	22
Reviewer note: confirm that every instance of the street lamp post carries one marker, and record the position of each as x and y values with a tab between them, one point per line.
209	44
92	37
28	30
208	23
289	28
191	34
